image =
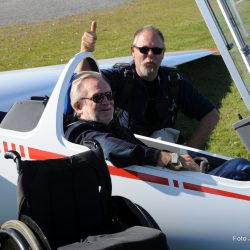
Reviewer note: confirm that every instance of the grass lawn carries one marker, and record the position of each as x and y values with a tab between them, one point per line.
55	41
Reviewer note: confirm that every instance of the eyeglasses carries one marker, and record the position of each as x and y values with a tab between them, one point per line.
144	50
98	97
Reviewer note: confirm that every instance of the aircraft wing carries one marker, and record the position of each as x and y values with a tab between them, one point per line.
22	84
171	59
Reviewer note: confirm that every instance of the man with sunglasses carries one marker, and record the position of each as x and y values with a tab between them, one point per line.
92	101
149	99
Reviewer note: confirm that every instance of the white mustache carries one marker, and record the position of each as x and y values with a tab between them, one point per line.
149	62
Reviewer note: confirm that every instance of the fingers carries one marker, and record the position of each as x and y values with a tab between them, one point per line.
189	163
93	26
88	42
89	38
164	158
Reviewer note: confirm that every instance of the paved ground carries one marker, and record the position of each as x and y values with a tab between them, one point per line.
26	11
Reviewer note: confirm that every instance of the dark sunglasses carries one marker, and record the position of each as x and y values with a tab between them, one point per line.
98	97
144	50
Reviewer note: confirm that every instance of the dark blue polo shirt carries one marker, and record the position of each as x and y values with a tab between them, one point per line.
151	105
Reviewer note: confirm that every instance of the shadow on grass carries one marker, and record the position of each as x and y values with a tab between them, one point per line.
212	78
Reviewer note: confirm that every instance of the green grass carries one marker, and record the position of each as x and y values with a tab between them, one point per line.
55	41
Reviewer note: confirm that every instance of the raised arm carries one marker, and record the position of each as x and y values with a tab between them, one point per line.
87	45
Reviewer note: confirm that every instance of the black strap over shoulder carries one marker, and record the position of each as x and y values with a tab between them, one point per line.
126	68
172	76
129	76
169	82
169	74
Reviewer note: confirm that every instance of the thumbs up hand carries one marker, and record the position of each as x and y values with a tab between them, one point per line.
89	38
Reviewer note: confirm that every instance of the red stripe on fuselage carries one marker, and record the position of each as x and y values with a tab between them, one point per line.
37	154
22	153
176	183
5	146
137	176
13	146
209	190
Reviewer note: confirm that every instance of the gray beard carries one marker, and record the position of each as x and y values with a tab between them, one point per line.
147	71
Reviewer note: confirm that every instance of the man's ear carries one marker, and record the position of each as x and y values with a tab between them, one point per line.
132	49
77	107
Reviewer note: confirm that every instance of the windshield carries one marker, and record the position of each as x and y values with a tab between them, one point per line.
232	19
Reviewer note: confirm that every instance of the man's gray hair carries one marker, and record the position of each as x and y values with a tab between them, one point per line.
75	93
148	27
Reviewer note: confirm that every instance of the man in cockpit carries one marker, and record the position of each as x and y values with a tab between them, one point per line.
148	96
92	101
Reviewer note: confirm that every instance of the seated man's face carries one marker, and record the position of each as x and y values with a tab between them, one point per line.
101	106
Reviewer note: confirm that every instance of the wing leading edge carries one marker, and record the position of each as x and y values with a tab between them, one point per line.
22	84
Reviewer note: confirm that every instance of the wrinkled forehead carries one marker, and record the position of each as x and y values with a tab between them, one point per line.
94	85
149	37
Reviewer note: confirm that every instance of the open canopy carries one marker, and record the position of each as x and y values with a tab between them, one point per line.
229	24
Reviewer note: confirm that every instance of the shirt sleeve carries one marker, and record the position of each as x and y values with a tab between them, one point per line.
193	104
120	152
113	77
